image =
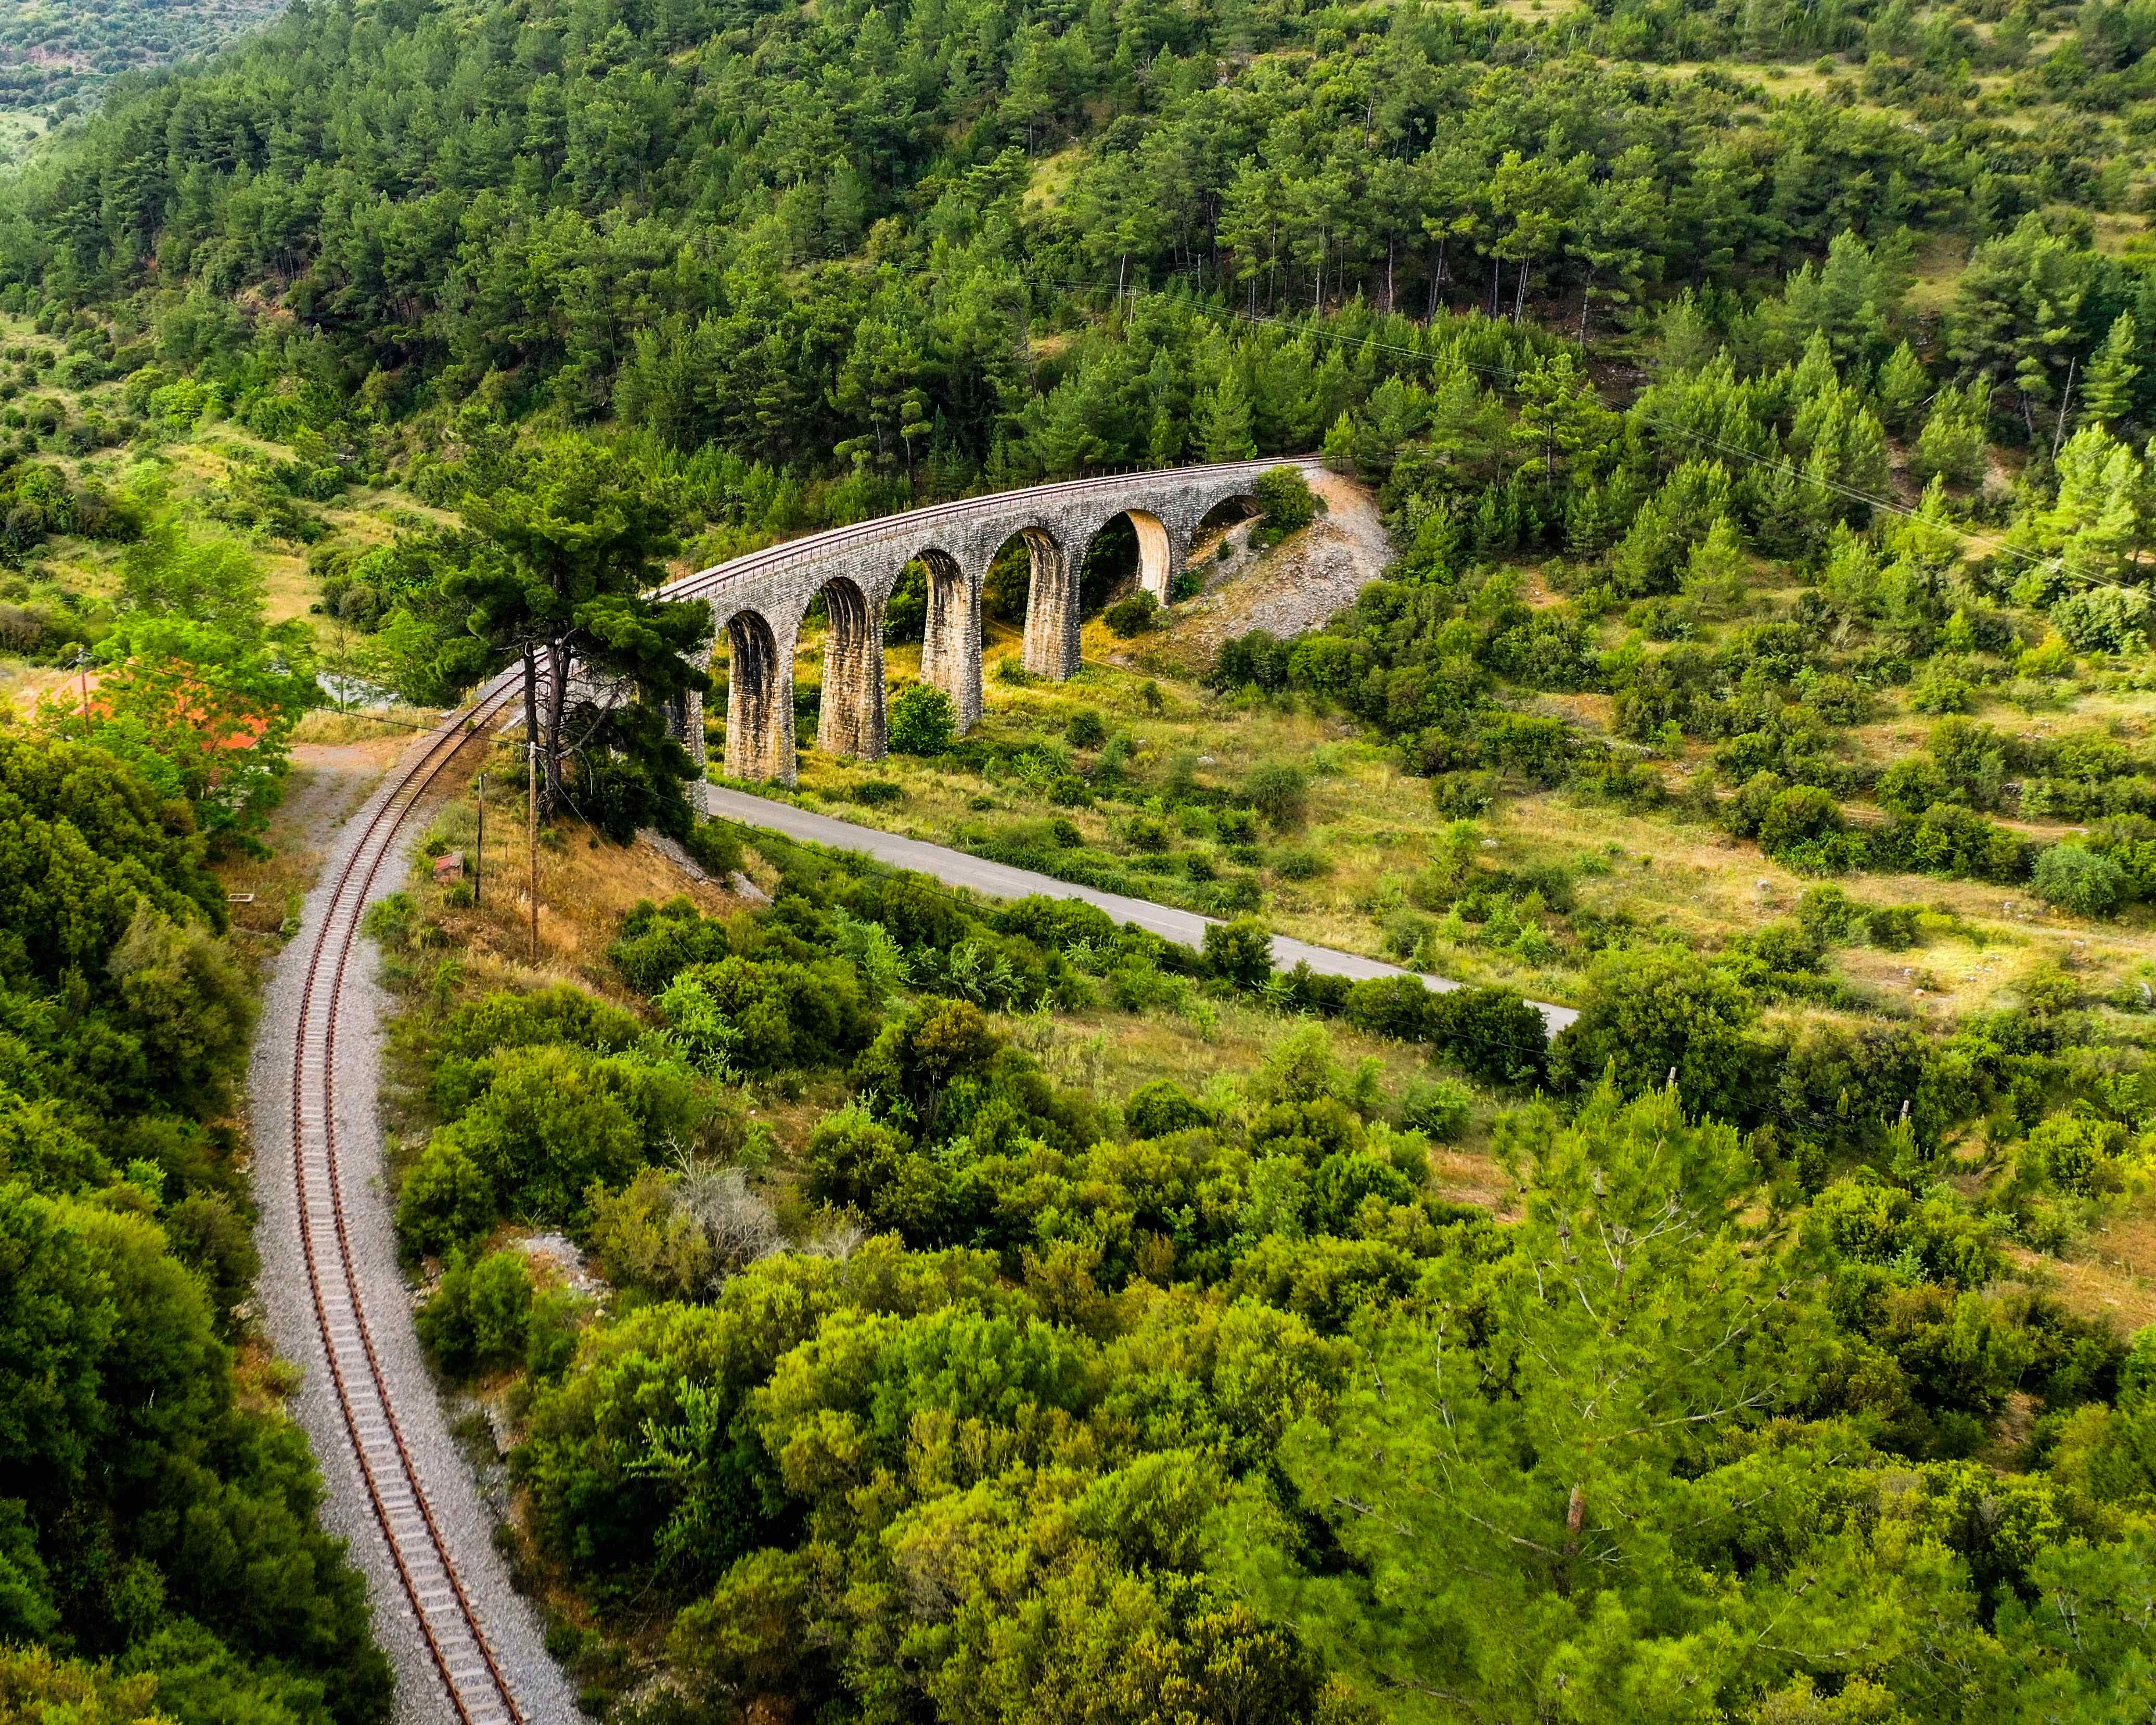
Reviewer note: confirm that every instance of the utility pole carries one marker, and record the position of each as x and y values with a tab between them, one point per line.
532	831
82	670
479	846
2066	401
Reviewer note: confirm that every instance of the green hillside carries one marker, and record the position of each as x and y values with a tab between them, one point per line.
888	1307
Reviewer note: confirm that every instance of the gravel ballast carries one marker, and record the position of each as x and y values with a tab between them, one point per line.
511	1624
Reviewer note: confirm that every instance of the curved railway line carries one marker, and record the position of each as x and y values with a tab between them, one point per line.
427	1555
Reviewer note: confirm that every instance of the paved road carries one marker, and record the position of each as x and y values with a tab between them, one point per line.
956	868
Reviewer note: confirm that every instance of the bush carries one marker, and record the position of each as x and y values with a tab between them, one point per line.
1440	1106
1286	498
447	1201
1085	728
875	793
1490	1034
1400	1007
922	720
1941	691
2108	620
716	849
1278	791
1651	1013
1157	1109
553	1120
1797	816
1131	616
1302	863
479	1319
1462	796
1240	952
1257	658
2084	881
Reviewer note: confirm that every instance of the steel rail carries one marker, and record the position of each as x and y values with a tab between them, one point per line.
449	1624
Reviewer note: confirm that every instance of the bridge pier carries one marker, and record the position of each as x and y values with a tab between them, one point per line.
851	720
684	723
951	645
760	699
1051	608
1161	552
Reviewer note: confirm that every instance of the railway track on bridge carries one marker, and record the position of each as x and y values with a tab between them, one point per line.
358	1318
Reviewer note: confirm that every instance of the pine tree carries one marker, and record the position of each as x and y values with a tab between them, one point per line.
1716	573
1340	444
1903	387
1224	420
2108	395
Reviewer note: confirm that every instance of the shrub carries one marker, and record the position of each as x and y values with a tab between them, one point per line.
1240	952
553	1120
2084	881
716	849
1131	615
922	720
1440	1106
1278	791
875	793
1149	832
1257	658
2074	1154
2112	619
1286	498
1650	1012
447	1201
1157	1109
1302	863
1941	691
1891	928
1401	1007
1797	816
1461	796
479	1319
1344	1180
1490	1034
1085	728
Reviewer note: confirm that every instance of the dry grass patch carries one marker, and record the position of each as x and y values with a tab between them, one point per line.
2111	1274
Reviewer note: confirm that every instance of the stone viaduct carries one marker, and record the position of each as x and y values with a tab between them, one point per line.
758	601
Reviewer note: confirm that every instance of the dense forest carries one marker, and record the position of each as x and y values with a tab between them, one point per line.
159	1542
889	1306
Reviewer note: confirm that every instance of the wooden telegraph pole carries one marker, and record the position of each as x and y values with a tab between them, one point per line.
531	827
478	845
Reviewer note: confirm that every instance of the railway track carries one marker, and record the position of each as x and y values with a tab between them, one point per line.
349	1321
477	1689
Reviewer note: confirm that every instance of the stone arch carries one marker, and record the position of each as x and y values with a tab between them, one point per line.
1051	601
1160	539
951	640
851	718
1159	555
759	702
1211	515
